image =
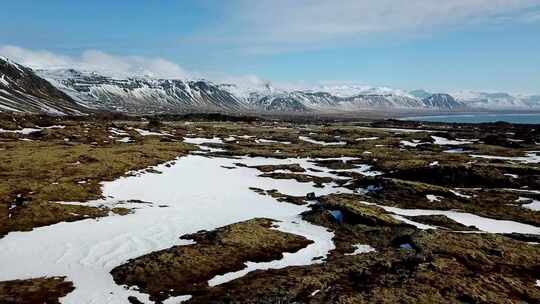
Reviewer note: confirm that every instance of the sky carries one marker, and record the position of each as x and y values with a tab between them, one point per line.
437	45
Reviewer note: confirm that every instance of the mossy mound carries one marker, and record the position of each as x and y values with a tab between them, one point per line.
186	269
35	291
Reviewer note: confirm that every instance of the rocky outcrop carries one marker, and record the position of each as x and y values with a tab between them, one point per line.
356	212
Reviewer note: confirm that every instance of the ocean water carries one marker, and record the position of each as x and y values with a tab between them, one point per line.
532	118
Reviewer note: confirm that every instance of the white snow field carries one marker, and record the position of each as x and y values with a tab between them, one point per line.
200	194
322	143
26	131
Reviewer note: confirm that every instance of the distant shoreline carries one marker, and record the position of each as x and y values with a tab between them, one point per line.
523	118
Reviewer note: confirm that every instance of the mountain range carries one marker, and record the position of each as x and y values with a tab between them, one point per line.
70	91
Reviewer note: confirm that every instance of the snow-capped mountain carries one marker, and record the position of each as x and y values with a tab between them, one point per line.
332	100
143	95
442	101
532	101
21	90
71	92
496	101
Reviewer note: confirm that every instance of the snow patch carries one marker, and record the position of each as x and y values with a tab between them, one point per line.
149	133
533	205
322	143
468	219
459	194
201	140
531	158
441	141
269	141
26	131
433	198
361	248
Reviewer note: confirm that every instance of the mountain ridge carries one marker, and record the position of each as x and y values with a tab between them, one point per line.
69	91
21	90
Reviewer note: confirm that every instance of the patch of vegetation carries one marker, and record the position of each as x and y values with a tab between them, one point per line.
442	267
67	164
186	269
35	291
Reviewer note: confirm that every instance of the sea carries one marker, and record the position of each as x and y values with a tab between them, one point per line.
522	118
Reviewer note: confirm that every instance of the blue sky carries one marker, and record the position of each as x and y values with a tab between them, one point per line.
490	45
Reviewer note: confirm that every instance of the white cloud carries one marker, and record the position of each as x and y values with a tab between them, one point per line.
121	66
98	61
283	25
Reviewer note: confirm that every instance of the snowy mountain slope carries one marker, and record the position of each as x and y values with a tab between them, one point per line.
148	95
442	101
351	90
21	90
143	94
70	91
310	100
497	101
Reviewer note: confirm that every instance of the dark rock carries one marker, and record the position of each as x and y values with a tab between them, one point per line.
134	300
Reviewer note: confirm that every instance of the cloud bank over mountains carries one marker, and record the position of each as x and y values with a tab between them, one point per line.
98	61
